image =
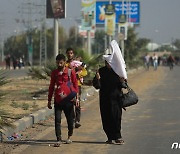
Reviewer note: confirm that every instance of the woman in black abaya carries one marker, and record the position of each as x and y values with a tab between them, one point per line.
110	85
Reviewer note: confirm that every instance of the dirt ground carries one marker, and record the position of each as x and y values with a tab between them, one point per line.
24	96
140	81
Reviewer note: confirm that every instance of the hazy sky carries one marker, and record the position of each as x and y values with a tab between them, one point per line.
159	19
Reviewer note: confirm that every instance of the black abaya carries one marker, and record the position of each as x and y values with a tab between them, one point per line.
110	102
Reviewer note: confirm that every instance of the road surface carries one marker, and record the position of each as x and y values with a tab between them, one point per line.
150	127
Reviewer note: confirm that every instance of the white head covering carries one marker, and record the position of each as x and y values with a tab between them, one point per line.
116	60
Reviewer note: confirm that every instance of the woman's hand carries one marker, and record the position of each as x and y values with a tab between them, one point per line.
121	79
123	82
98	75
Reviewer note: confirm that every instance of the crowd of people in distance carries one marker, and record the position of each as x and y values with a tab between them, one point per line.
14	62
156	61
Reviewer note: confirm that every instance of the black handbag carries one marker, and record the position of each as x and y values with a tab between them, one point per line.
129	98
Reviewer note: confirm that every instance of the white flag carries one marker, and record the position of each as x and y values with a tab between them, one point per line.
116	60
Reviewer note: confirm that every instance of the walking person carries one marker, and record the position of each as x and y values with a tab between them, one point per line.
58	77
171	61
110	85
146	61
8	61
110	79
155	61
80	73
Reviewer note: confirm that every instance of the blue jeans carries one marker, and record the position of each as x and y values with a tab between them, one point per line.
155	64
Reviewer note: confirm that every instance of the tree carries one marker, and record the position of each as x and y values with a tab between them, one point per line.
131	49
50	43
74	40
142	43
98	46
16	46
62	38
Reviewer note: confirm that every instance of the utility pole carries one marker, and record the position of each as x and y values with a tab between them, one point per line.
32	13
122	40
43	40
26	11
55	10
43	43
56	37
89	41
2	49
1	40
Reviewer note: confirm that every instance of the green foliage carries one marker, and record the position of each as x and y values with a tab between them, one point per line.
37	73
135	63
42	73
50	42
83	54
98	46
3	79
50	66
142	43
131	49
25	106
14	104
74	40
34	106
4	120
16	46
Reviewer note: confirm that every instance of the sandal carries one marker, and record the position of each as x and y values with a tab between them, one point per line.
109	142
68	141
58	144
119	141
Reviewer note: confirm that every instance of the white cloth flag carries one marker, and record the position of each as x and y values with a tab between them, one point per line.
116	60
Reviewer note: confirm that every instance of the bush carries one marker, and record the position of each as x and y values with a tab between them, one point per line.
25	106
14	104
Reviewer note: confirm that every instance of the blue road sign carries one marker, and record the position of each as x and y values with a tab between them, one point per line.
131	9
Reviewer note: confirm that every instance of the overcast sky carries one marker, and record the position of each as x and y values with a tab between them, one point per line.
159	19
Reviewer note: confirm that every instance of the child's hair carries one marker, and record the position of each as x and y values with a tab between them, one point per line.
79	58
60	57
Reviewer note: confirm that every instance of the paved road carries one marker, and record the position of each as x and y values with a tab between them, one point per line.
18	73
148	128
154	125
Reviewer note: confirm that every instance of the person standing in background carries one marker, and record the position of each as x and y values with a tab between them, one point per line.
8	61
81	72
146	61
171	61
155	61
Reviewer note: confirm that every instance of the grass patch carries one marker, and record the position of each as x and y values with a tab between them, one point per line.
25	106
